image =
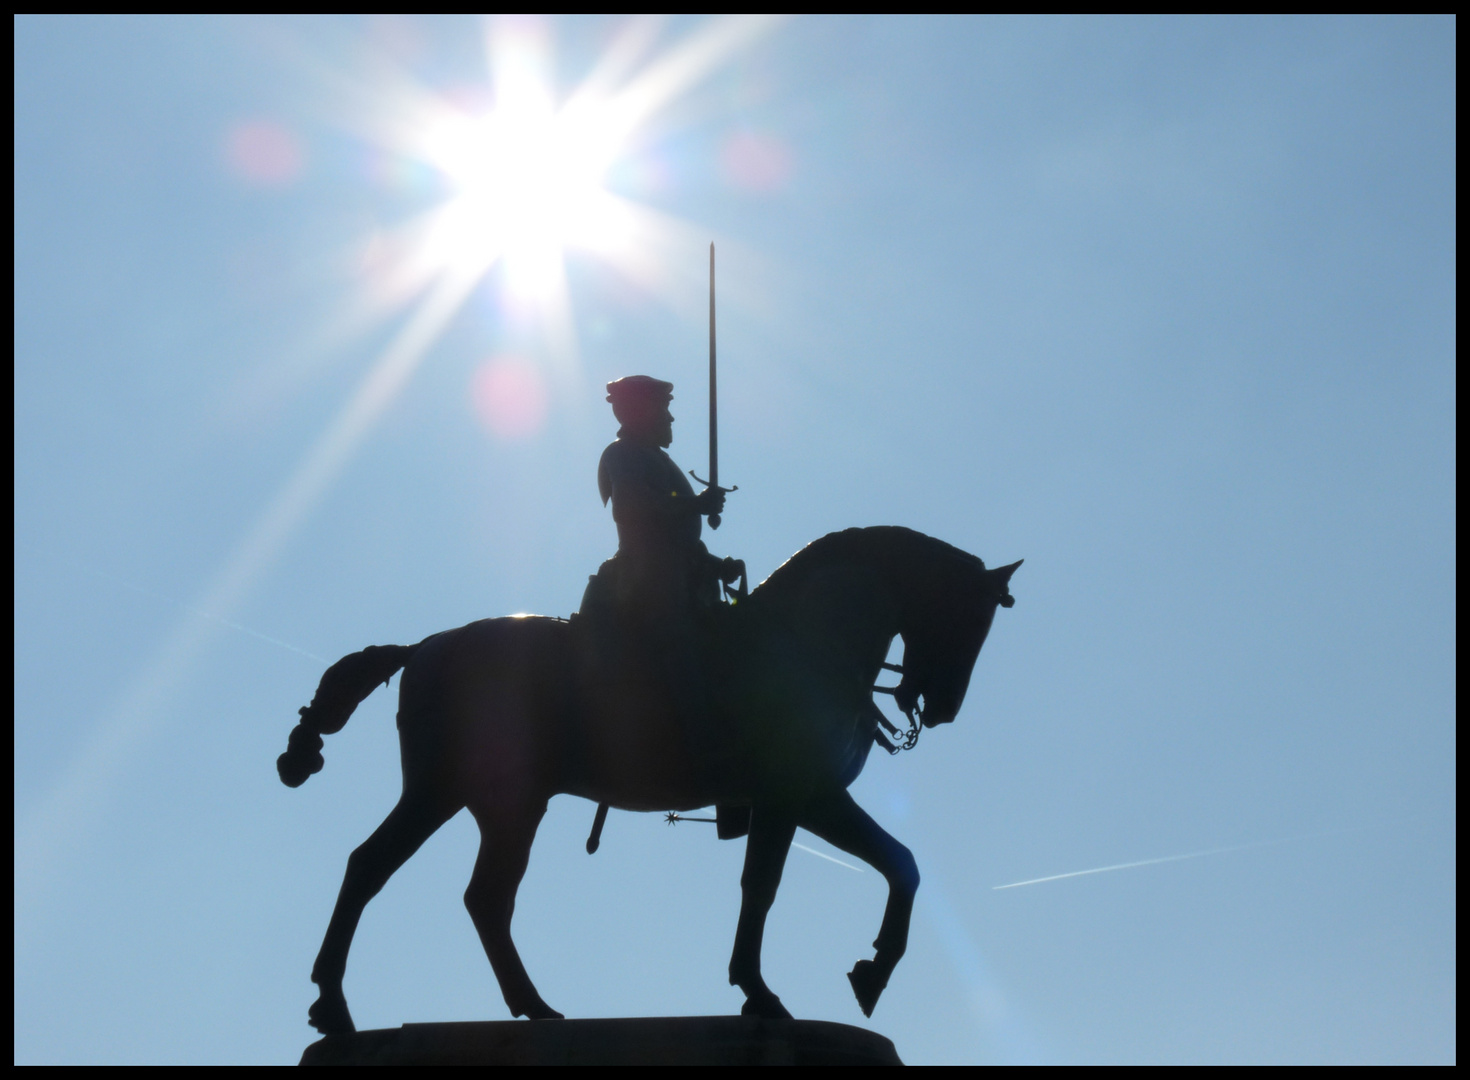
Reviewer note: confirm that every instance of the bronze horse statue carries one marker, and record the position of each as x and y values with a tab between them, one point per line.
502	714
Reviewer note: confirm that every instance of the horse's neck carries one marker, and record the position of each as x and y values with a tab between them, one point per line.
852	588
848	612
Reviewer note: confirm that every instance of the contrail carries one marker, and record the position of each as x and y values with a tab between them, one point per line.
212	617
257	634
824	855
184	607
1166	858
674	818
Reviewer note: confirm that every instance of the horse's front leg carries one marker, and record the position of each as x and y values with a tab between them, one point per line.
844	824
771	830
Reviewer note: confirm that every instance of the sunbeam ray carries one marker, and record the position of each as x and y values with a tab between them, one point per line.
45	832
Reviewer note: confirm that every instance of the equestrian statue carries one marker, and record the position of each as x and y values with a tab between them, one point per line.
670	690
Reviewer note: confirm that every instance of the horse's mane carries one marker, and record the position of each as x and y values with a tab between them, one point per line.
899	551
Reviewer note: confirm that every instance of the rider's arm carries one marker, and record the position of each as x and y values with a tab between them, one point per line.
678	504
708	501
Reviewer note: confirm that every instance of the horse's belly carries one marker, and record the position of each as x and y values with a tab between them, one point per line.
635	751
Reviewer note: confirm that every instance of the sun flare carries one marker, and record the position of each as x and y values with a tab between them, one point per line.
529	185
528	175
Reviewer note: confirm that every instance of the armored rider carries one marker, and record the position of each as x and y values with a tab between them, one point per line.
646	604
664	570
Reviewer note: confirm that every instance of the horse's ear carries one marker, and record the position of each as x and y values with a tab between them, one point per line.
1005	572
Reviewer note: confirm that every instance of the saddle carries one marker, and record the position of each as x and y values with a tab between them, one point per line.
628	623
619	586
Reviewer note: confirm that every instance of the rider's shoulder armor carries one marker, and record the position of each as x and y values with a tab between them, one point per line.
647	467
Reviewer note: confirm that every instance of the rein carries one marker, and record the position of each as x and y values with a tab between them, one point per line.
910	738
907	740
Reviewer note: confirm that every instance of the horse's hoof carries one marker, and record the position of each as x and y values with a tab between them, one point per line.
329	1015
542	1011
767	1006
867	984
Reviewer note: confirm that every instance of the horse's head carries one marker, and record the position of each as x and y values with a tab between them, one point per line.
943	634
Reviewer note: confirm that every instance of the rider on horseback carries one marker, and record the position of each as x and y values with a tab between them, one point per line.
662	570
649	608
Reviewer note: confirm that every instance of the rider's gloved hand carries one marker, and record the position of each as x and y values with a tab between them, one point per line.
710	501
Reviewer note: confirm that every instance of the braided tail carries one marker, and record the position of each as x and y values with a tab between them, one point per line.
342	689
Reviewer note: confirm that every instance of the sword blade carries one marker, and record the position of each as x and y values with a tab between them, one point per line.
714	419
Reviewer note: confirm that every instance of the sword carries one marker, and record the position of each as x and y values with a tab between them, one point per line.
714	418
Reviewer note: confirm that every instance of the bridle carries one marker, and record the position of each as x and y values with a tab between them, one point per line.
908	739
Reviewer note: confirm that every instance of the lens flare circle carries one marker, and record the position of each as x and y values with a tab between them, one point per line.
264	153
509	397
756	162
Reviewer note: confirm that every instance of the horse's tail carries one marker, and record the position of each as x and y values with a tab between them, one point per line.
342	689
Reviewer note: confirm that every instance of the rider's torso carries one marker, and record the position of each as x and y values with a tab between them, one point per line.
647	489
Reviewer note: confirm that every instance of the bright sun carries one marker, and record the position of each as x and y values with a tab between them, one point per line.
530	185
528	177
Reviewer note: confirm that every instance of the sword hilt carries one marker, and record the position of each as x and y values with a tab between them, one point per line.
714	519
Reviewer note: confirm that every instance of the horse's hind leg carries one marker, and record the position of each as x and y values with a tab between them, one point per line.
771	830
844	824
402	832
505	848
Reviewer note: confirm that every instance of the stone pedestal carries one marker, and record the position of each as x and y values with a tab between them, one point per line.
673	1040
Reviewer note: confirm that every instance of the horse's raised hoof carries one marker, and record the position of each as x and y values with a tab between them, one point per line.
868	984
767	1006
329	1015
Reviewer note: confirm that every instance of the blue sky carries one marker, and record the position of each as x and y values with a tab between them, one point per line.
1164	307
